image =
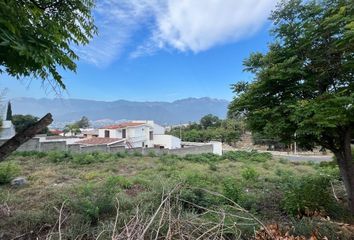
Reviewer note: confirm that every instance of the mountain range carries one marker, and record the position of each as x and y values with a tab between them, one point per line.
167	113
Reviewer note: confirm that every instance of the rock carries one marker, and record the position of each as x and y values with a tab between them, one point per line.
19	181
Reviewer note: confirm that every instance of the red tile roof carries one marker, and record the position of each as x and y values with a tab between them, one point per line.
99	141
123	125
56	131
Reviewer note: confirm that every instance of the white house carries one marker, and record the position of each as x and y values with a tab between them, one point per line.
140	134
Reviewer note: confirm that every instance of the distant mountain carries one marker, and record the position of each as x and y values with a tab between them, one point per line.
67	110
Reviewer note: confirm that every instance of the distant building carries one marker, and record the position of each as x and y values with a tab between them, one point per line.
7	129
146	134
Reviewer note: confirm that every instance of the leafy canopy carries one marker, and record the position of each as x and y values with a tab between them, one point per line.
304	85
37	36
21	122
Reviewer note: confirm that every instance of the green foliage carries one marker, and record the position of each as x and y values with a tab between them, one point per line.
304	83
60	156
83	122
34	154
88	158
8	171
95	201
202	158
308	195
169	159
249	174
21	122
37	37
232	190
210	121
211	128
244	156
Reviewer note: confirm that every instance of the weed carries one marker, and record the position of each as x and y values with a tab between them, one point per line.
249	174
57	157
8	171
308	196
231	189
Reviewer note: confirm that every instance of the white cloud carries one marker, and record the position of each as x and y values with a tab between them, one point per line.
185	25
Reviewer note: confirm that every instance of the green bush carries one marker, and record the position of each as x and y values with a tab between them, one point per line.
202	158
57	157
249	174
121	154
8	171
308	195
151	153
232	190
169	159
119	181
244	156
34	154
95	201
137	154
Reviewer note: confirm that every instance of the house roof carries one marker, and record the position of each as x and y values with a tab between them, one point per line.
99	141
123	125
56	131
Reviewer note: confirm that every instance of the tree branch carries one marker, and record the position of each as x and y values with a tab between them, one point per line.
15	142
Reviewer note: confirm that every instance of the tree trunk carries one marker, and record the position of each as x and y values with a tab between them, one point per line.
346	166
15	142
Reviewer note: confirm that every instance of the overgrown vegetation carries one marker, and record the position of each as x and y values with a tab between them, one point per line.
189	195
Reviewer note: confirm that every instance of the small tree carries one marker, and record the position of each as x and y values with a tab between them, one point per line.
83	122
210	121
9	112
304	86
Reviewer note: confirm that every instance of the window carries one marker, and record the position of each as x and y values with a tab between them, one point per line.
124	133
143	144
151	134
106	133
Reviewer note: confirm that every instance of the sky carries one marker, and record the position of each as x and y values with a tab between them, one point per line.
161	50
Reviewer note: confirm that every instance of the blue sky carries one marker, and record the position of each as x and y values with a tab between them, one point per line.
162	50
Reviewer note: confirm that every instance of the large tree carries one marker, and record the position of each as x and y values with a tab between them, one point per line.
303	89
37	36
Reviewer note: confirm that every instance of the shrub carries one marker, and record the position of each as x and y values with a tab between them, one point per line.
202	158
8	171
121	154
34	154
244	156
151	153
58	157
213	166
137	154
249	173
231	189
88	158
119	181
169	159
308	195
94	201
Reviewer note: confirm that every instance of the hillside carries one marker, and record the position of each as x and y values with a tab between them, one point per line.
180	111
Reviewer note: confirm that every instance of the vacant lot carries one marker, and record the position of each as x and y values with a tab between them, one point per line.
120	196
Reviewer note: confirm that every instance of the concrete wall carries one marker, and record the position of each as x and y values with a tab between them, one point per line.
96	148
35	145
52	146
192	150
